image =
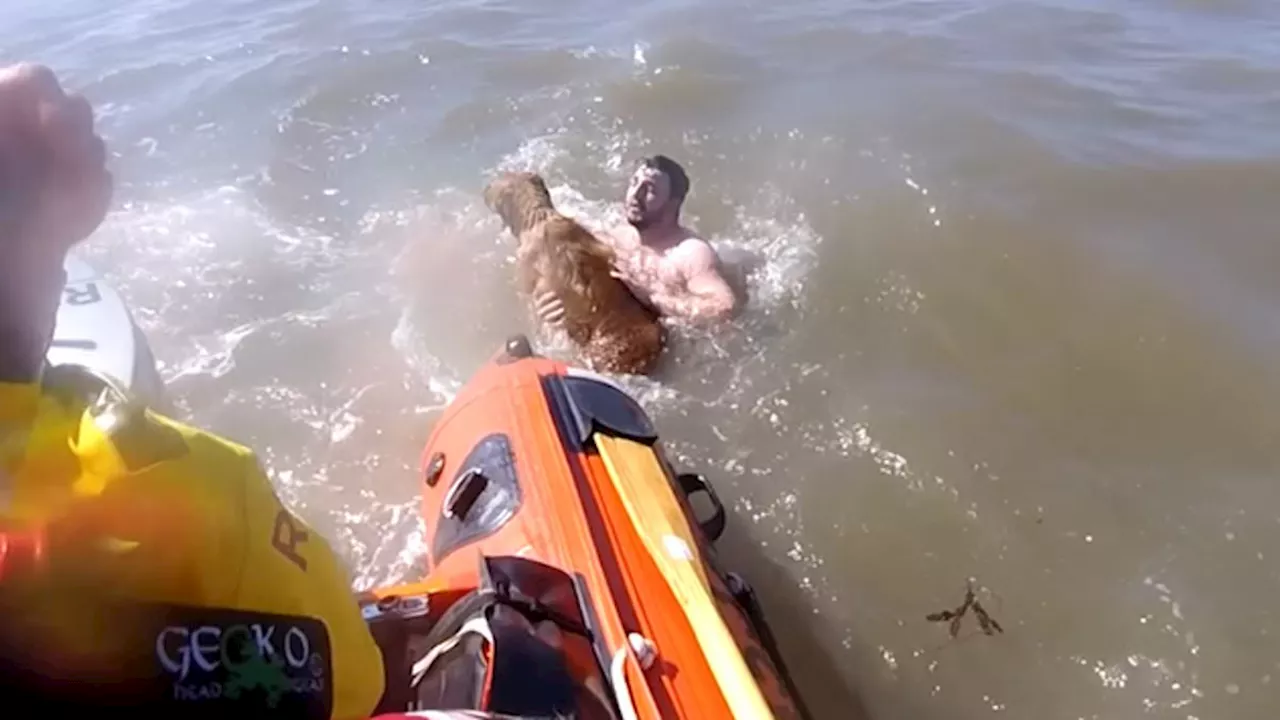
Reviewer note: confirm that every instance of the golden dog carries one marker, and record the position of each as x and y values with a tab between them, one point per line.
614	331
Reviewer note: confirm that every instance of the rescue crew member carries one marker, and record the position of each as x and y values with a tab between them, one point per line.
133	506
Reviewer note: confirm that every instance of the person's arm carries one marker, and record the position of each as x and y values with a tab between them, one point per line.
54	191
703	294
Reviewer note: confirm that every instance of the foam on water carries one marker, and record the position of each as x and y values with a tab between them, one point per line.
248	316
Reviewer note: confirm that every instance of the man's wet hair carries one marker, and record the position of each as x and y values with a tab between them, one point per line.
676	175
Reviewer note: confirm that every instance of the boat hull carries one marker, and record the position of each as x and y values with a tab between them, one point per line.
560	468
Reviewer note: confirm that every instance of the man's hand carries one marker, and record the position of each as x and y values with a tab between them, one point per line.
54	185
549	309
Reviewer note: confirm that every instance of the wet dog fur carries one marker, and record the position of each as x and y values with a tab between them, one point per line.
613	330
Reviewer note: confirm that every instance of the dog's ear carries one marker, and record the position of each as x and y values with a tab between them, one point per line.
499	196
532	188
488	197
491	192
540	185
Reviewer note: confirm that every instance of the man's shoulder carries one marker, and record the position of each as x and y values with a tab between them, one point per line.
694	252
692	242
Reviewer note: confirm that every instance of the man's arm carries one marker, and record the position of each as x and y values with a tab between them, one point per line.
703	294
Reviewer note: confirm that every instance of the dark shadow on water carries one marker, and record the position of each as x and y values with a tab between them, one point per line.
823	688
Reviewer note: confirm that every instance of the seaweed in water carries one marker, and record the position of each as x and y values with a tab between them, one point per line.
987	623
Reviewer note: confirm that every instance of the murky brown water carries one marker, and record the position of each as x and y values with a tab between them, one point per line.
1012	268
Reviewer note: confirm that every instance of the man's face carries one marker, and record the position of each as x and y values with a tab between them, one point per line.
648	195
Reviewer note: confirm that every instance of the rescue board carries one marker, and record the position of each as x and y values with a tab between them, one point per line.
96	329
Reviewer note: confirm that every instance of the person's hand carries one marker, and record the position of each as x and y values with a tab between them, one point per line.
627	276
54	185
549	309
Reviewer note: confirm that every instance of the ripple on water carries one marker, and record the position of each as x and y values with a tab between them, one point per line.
935	375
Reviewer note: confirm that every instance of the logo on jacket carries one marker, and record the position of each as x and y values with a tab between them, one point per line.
261	663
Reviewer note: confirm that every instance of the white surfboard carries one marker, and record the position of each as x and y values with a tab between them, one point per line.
95	329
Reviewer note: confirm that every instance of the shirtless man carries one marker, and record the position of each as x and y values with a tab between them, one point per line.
664	263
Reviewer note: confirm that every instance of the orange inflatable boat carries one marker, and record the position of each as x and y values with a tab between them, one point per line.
567	573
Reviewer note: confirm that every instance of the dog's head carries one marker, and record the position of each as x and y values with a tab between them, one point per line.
519	198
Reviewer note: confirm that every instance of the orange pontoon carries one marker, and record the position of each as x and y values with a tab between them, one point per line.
567	573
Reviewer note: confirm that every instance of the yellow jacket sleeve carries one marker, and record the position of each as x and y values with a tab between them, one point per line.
160	512
288	568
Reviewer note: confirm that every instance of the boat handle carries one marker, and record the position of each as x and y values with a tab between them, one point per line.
464	492
712	527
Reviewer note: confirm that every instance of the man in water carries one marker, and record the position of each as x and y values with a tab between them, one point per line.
117	506
665	264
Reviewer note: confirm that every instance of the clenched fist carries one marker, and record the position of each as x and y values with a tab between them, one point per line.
54	185
54	192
